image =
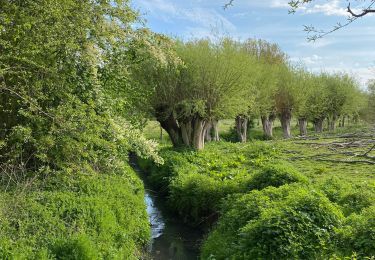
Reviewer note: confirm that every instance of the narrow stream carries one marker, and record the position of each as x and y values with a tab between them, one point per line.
171	239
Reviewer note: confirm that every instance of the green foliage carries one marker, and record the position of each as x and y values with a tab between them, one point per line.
334	188
80	216
331	96
195	182
368	112
267	208
351	198
80	247
276	174
289	222
197	81
358	233
55	71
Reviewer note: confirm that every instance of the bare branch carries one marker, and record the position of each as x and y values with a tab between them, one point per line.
318	34
364	11
227	5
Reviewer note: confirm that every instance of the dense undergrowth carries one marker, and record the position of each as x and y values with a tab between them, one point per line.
75	216
268	208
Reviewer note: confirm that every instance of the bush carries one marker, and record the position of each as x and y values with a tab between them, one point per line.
96	216
334	188
276	174
195	182
352	199
357	199
358	234
289	222
196	196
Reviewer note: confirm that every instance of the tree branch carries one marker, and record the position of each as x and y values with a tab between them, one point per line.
364	11
230	3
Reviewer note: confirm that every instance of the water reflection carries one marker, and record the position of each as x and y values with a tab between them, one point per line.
171	240
155	217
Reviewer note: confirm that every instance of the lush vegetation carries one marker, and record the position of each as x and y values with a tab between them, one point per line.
66	190
273	199
75	216
80	79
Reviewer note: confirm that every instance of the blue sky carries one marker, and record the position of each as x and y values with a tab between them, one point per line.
351	49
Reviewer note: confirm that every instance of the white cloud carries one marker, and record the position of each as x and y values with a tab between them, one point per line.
204	17
317	44
309	60
280	4
328	7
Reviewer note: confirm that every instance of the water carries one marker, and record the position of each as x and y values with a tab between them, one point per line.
171	239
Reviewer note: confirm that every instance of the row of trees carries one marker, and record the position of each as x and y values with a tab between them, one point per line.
191	85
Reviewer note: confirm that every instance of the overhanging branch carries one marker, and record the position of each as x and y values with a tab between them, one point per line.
364	12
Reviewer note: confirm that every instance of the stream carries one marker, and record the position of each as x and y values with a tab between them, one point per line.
171	239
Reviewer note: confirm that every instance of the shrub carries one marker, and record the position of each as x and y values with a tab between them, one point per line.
334	188
276	174
197	196
195	182
80	247
289	222
356	199
352	199
358	234
79	216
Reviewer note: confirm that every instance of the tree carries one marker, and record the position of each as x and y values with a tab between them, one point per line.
341	90
270	58
53	115
285	96
305	86
316	103
200	81
369	110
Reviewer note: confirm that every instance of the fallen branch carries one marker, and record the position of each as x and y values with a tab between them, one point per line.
369	151
345	161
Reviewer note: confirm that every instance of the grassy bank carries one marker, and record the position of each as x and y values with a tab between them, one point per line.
299	198
78	216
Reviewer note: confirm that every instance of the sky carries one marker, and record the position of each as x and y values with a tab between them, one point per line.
351	49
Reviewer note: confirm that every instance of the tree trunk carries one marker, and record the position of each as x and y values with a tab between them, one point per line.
285	118
343	122
199	132
332	123
267	122
208	132
186	132
241	128
215	126
189	131
170	125
318	125
302	126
